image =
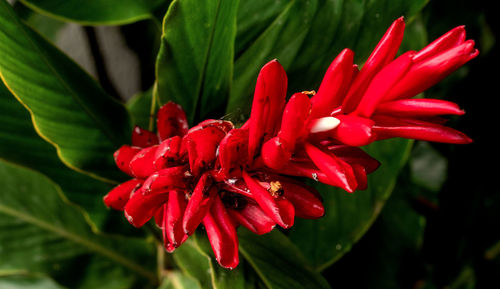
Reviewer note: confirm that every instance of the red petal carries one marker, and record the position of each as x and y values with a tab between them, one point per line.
171	121
384	52
253	218
159	217
267	106
118	197
361	177
334	85
452	38
143	138
141	166
354	155
123	156
304	199
233	153
141	207
339	172
199	204
172	227
382	83
387	127
419	108
279	209
353	130
430	71
223	125
294	122
221	233
202	146
168	153
275	153
166	179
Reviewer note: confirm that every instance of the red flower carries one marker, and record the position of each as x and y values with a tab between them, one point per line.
222	177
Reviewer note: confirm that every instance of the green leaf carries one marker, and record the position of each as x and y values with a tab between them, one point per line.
27	281
67	106
278	262
40	231
348	216
96	12
195	62
22	145
176	280
306	36
195	258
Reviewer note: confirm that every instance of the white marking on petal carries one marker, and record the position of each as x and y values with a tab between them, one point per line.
324	124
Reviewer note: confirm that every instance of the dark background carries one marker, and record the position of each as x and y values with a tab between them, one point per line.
462	218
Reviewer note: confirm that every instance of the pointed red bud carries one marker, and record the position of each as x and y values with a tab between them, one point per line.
361	178
221	233
233	153
202	146
141	165
382	83
388	127
171	121
384	52
354	155
452	38
276	207
419	108
353	130
334	85
275	153
339	172
166	179
118	197
304	199
143	138
267	106
294	121
254	219
168	153
141	208
172	226
430	71
199	204
123	156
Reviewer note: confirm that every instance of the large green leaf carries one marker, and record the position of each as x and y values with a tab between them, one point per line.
40	231
196	260
24	280
176	280
67	106
348	216
195	62
278	262
305	36
96	12
22	145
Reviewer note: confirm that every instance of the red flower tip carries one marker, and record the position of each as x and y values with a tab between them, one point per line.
267	106
118	197
123	156
334	85
141	165
221	233
276	153
254	219
143	138
199	204
354	130
171	121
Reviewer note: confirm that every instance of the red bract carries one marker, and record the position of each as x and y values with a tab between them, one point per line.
221	177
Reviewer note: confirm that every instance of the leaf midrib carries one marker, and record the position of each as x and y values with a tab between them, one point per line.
92	246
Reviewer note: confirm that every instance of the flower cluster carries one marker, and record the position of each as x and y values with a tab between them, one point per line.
223	177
